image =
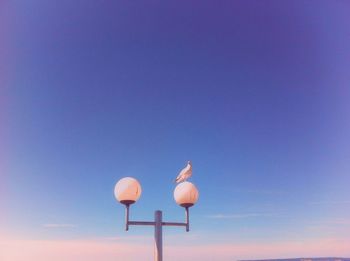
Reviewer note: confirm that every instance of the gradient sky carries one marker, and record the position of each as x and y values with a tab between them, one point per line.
255	93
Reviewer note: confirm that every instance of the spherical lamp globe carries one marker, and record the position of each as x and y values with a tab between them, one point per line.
186	194
127	190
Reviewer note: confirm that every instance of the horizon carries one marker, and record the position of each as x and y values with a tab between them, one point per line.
256	95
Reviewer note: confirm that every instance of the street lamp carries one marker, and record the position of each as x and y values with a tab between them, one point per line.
128	190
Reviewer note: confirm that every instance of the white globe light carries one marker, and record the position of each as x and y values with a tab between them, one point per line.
127	190
186	194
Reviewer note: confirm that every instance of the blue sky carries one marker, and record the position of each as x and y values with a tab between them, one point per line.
255	94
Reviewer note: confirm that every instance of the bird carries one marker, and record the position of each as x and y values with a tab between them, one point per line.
185	173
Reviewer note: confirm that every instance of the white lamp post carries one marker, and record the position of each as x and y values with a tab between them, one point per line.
128	190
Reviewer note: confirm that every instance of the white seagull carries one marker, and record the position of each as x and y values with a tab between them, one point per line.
185	173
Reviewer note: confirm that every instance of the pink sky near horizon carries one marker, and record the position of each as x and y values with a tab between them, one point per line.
108	250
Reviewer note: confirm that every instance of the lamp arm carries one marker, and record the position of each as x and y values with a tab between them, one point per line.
128	222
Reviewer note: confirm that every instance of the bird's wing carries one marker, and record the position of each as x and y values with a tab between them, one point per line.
184	173
181	175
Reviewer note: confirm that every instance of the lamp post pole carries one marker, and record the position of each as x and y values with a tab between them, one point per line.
158	236
158	228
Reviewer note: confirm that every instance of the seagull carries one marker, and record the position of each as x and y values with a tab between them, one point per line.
185	173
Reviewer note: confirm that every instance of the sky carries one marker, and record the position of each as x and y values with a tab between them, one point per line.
255	93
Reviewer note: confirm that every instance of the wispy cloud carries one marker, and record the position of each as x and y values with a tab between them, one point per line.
240	216
58	225
261	191
330	202
111	238
341	221
330	226
333	221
